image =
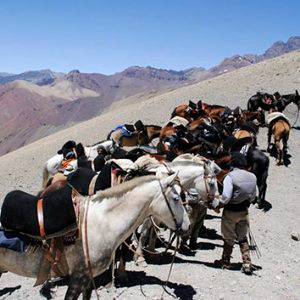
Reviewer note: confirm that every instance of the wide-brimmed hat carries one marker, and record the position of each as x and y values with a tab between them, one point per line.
67	146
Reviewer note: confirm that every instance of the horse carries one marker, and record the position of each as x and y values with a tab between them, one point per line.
258	163
197	175
262	101
108	218
280	129
212	110
188	111
53	164
257	116
134	138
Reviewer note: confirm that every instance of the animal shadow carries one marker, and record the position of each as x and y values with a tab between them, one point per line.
209	233
9	291
139	278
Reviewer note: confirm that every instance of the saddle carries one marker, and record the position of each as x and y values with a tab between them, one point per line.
138	126
21	213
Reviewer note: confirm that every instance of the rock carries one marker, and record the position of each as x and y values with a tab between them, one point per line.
295	236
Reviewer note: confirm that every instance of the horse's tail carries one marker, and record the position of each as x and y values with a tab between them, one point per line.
45	176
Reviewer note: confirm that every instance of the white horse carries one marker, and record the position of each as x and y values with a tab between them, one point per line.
109	217
196	173
52	165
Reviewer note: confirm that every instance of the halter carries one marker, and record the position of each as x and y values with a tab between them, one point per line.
168	204
205	177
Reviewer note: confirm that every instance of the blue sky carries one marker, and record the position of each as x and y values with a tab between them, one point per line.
108	36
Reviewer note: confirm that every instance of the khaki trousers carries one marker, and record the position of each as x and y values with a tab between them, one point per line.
234	226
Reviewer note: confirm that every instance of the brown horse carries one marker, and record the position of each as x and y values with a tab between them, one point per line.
188	111
280	130
212	110
258	116
137	138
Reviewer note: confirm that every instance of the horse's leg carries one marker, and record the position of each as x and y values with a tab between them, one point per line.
87	291
279	151
269	137
78	283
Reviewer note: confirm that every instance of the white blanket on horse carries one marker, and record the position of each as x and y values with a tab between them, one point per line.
177	121
276	115
126	164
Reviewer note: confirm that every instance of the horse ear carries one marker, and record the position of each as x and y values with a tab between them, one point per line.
297	94
167	181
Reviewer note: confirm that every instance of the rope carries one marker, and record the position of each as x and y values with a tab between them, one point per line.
169	274
297	117
253	243
87	253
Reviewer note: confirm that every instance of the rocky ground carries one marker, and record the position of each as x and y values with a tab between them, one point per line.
193	275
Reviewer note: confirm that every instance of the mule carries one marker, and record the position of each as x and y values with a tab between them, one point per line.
135	138
108	218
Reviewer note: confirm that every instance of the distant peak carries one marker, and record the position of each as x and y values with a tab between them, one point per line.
74	72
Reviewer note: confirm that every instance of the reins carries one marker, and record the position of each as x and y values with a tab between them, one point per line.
85	243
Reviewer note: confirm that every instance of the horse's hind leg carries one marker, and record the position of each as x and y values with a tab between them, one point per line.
78	284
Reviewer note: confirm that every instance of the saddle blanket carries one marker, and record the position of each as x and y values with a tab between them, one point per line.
11	240
276	115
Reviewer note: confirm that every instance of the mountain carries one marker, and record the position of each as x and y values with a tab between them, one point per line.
238	61
41	102
41	77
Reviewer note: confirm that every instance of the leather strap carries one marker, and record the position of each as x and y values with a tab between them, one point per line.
40	216
92	185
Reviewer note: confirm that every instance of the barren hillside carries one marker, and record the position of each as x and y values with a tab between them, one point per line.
193	276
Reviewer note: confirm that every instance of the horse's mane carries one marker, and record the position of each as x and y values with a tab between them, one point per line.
147	162
121	189
190	157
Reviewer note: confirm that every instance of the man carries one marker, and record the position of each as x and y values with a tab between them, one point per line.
239	189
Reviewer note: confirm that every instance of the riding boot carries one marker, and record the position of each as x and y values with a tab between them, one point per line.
224	262
245	250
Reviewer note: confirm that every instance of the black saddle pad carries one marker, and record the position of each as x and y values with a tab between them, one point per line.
19	212
129	127
139	125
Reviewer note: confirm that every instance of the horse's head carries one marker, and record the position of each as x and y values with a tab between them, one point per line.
211	170
170	209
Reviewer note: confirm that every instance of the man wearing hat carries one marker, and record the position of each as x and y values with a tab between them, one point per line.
239	190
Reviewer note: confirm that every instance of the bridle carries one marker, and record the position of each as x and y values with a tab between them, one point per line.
175	181
206	184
